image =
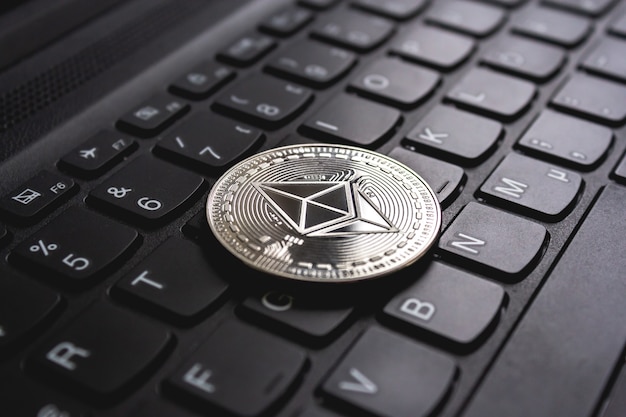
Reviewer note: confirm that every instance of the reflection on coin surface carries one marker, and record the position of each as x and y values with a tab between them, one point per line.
326	213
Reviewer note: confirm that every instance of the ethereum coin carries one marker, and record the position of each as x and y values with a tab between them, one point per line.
324	213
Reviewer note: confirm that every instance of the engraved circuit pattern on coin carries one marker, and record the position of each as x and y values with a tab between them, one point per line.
324	213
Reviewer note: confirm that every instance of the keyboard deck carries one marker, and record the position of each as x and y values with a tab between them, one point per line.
116	300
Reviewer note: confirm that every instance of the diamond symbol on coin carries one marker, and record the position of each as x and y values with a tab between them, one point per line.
325	208
325	213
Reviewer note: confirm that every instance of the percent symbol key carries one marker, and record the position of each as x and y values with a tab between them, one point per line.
75	246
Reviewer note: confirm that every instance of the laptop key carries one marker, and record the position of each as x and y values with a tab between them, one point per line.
37	197
312	63
176	279
91	357
494	94
387	375
575	324
467	17
153	116
498	243
532	187
264	100
237	362
191	144
394	82
147	190
594	98
444	178
202	80
552	26
567	140
353	30
394	9
607	59
449	303
587	7
98	154
24	306
25	397
247	50
287	22
312	318
354	120
525	58
455	135
76	245
422	44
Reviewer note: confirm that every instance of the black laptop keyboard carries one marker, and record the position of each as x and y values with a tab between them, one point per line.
115	299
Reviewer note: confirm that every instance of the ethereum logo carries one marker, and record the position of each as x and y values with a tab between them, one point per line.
325	208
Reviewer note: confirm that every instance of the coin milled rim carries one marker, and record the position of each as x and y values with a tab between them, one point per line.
221	196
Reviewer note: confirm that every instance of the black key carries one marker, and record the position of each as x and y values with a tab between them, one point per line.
423	44
620	170
247	50
395	82
202	80
394	9
238	362
593	98
468	17
153	116
147	189
98	154
190	144
567	140
493	240
352	119
530	186
608	59
24	306
287	22
587	7
76	245
575	322
455	134
387	375
494	94
37	197
444	178
92	356
313	318
24	397
552	26
312	63
618	26
264	100
176	279
449	303
354	30
318	4
525	58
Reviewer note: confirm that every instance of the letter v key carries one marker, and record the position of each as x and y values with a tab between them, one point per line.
364	384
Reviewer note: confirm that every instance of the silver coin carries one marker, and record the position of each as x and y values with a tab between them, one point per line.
325	213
